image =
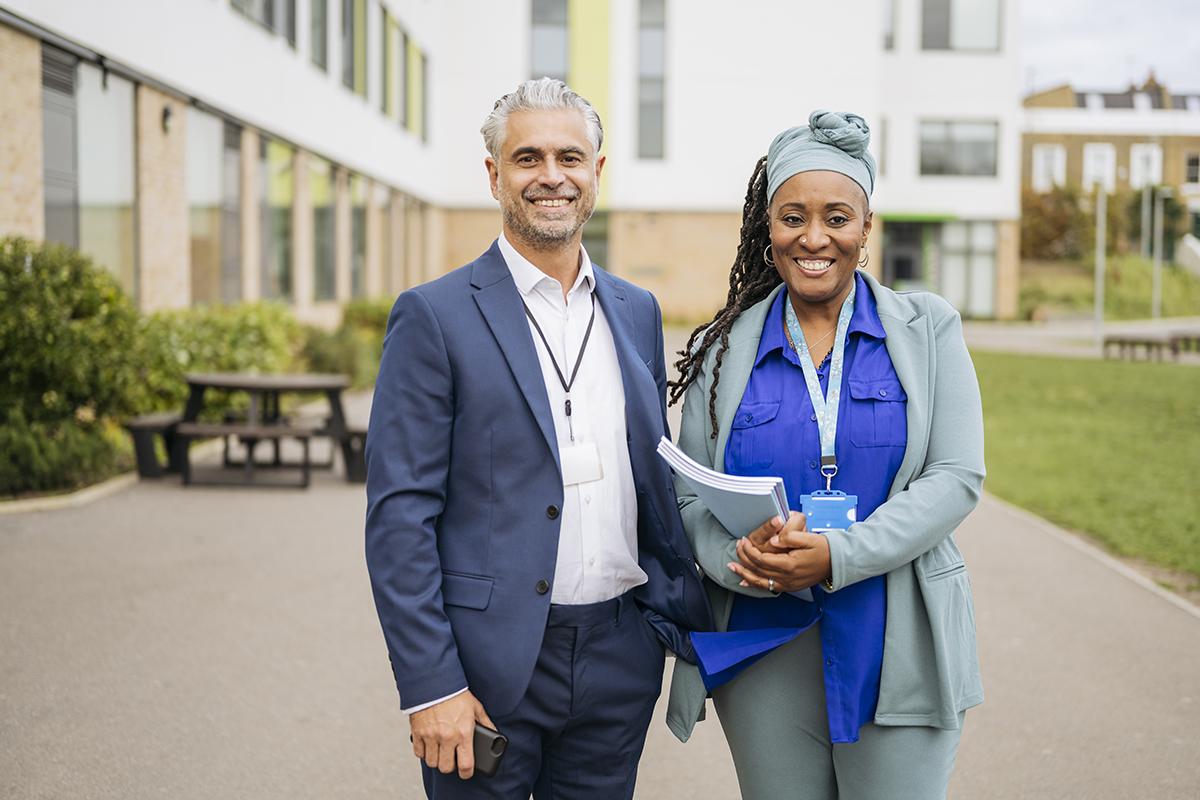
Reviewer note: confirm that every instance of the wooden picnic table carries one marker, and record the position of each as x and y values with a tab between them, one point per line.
264	419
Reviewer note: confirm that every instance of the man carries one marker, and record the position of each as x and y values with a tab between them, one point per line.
525	551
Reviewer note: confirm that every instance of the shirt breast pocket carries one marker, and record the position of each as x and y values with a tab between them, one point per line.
877	412
750	438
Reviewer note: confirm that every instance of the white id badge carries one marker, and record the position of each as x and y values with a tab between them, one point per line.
580	463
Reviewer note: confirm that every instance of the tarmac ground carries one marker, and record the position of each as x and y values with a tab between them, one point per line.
222	643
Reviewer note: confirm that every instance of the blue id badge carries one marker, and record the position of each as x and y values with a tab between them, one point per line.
831	510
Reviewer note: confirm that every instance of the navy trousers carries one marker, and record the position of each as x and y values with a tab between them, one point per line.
579	730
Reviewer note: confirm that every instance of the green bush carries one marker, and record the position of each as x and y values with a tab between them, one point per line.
68	336
262	337
369	316
1068	287
355	347
65	454
1061	223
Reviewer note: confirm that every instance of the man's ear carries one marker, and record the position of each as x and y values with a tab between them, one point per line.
493	174
599	166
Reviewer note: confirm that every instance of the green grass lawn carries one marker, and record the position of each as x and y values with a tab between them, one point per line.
1104	447
1067	287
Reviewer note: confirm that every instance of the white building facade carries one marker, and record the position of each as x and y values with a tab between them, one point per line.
316	151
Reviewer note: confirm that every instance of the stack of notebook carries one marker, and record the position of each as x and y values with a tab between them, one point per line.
739	503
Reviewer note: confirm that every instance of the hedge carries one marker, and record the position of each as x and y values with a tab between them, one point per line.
76	357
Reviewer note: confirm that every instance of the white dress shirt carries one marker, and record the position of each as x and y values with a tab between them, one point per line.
597	540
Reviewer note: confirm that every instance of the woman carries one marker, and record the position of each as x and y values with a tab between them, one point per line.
861	692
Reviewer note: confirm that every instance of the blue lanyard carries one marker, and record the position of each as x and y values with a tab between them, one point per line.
825	407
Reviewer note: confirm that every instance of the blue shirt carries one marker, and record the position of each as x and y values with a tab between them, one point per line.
774	432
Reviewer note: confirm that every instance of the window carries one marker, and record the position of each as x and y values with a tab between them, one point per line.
958	148
358	235
88	162
354	46
416	97
318	26
261	11
595	239
1145	165
275	189
278	16
213	180
320	189
385	262
395	56
1191	172
402	90
549	40
1100	166
1049	167
386	72
424	72
968	267
652	36
960	24
287	21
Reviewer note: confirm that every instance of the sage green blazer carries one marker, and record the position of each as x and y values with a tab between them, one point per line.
930	669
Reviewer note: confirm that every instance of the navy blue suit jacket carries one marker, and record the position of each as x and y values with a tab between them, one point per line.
464	485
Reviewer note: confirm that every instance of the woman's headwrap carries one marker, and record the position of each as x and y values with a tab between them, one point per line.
831	141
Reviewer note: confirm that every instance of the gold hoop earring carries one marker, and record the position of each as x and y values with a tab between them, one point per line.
770	262
865	258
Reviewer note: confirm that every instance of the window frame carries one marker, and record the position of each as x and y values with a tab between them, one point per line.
950	124
949	46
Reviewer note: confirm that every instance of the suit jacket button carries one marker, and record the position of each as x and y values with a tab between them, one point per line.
542	587
552	512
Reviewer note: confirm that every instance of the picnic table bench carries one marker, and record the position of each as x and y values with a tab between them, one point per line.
1152	345
146	429
263	420
250	434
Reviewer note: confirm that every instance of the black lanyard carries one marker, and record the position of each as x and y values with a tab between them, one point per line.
566	385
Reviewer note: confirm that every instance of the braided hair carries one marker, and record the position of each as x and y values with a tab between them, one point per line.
750	280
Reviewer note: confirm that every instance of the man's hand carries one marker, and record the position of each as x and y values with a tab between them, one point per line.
788	560
444	734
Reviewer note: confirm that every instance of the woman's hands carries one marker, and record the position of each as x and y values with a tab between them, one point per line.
782	557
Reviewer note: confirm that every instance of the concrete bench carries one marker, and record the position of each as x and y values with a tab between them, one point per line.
250	435
145	429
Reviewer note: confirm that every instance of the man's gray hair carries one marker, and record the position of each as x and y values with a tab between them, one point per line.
540	94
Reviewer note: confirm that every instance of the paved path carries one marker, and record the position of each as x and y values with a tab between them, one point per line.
1074	338
207	643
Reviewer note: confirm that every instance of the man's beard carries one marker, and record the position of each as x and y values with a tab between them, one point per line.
544	236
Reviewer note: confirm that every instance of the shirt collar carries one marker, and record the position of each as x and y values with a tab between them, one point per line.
864	320
527	277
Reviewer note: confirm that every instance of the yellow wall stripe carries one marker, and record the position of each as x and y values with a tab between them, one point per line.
588	32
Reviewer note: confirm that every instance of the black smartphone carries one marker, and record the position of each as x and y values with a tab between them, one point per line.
488	747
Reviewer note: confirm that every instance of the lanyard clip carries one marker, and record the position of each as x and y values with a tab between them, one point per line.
828	469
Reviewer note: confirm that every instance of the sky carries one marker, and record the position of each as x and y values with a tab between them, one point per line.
1105	46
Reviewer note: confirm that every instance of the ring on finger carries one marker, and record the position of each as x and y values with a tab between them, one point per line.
771	585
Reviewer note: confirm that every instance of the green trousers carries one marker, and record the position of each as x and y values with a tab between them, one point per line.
774	719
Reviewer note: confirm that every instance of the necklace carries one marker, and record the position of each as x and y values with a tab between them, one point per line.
809	346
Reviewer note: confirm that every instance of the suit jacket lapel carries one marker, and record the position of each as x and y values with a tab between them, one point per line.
500	303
